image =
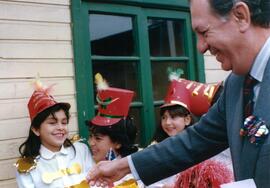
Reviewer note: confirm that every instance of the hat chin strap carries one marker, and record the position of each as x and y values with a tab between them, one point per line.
179	103
110	116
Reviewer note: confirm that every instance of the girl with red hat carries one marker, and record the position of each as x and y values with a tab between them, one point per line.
112	132
48	157
185	99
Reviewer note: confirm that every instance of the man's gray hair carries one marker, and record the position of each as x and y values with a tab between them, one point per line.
259	9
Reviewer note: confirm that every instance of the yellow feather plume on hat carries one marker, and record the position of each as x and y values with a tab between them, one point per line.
39	86
100	82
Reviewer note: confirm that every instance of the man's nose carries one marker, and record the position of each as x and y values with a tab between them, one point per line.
202	45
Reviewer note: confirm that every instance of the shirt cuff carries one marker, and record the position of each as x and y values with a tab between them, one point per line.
132	168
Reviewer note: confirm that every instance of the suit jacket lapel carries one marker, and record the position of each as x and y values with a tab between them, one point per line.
235	111
263	102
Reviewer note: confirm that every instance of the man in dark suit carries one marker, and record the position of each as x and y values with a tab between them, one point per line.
237	32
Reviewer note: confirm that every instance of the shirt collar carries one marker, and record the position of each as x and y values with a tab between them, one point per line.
48	154
260	62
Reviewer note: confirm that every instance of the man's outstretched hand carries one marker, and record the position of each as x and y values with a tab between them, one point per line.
106	172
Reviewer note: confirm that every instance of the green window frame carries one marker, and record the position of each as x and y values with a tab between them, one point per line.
141	10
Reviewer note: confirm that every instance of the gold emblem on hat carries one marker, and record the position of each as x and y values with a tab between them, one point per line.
196	90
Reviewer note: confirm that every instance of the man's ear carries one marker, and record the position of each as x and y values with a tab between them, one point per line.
35	131
241	14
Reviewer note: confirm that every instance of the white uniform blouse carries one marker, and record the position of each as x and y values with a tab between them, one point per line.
52	162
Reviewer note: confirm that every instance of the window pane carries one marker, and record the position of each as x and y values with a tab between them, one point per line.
119	74
160	77
111	35
157	117
135	114
165	37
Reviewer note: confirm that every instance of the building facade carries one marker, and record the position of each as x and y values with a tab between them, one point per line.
130	42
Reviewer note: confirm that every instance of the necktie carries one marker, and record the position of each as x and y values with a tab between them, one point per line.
248	95
253	126
248	103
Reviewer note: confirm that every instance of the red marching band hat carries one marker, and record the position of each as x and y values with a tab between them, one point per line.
194	96
42	100
113	103
201	95
177	94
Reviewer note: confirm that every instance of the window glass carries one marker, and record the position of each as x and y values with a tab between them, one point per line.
111	35
135	114
119	74
157	116
123	51
165	37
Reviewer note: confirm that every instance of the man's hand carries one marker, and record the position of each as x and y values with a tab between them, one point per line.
106	172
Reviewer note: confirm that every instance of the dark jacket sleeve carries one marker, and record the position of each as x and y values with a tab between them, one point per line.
195	144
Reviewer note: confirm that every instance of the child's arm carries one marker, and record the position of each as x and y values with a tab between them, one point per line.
83	151
23	167
24	180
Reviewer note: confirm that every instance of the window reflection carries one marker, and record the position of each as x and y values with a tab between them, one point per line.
119	74
135	114
165	37
157	116
111	35
160	77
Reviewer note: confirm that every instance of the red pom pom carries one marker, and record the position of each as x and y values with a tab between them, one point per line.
208	174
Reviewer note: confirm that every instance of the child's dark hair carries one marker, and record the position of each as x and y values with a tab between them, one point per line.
31	147
175	110
123	132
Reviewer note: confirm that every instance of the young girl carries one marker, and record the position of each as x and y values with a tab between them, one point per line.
112	133
174	119
184	100
118	137
48	157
